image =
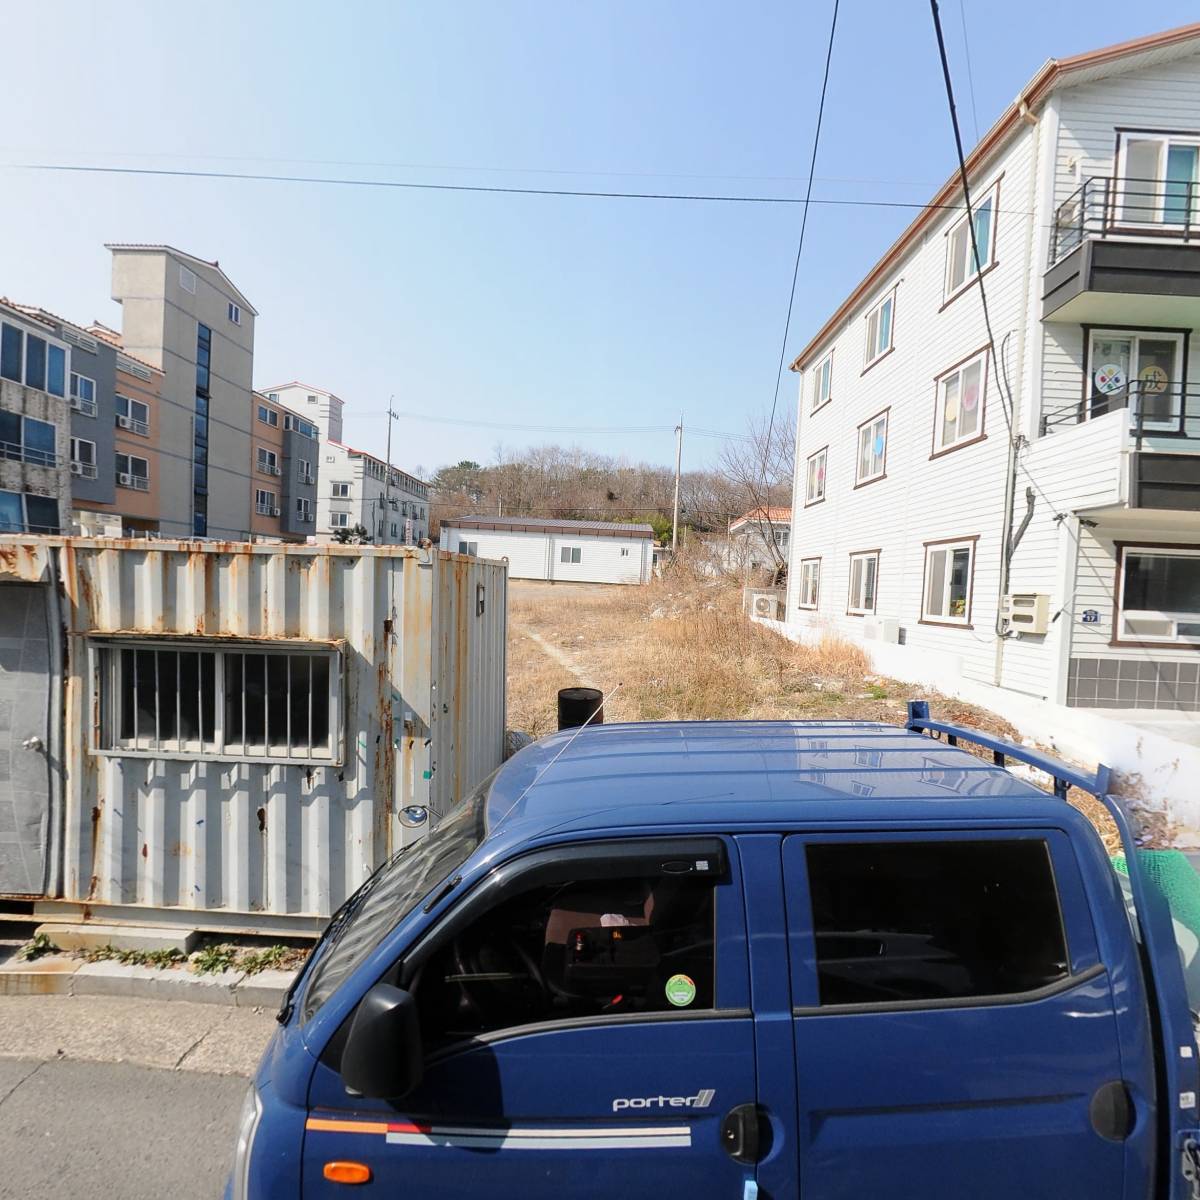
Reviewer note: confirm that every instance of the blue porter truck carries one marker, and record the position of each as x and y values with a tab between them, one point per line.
777	960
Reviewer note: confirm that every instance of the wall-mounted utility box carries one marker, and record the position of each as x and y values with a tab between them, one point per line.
1027	612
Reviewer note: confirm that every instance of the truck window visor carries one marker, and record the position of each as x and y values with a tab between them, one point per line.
391	894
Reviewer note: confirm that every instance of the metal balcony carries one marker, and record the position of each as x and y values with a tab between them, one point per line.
19	452
1164	437
1115	237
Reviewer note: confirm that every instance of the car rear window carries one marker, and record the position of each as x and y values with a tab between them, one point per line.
905	921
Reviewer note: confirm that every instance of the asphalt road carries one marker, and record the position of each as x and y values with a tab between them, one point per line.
114	1129
115	1097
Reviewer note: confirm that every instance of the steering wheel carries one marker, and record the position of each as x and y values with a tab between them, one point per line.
504	957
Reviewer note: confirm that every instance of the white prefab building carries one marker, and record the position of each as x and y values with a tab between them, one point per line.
1025	517
578	551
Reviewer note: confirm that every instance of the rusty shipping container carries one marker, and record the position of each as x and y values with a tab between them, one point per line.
234	736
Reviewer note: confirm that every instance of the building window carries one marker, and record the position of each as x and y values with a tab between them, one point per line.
303	508
273	396
268	416
991	927
83	394
949	567
468	548
864	575
814	485
780	538
299	424
312	399
341	491
339	520
872	449
83	458
624	551
268	461
959	269
822	382
810	582
879	329
266	504
219	703
1158	176
571	554
304	470
26	513
133	415
200	429
133	472
26	358
235	313
187	279
1159	594
959	416
1139	371
395	530
26	440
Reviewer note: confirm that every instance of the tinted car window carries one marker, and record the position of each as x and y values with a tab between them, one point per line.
573	950
934	920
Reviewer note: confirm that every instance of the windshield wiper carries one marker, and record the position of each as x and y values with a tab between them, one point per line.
442	893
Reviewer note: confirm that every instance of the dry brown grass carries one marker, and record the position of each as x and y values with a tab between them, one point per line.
681	649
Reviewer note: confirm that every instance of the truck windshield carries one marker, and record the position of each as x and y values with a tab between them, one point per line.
391	894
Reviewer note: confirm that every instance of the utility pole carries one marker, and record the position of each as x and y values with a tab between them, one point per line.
678	458
387	475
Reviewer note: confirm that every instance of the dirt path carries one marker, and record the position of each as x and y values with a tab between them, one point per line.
564	660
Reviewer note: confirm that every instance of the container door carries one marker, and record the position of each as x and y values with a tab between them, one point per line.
955	1030
24	738
587	1033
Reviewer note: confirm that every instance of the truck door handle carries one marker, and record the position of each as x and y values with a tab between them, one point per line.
745	1133
1111	1111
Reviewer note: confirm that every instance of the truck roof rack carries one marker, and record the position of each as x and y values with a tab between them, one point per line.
1002	749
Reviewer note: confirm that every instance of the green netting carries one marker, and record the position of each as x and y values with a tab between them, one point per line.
1172	875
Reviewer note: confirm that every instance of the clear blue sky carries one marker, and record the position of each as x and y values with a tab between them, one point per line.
504	308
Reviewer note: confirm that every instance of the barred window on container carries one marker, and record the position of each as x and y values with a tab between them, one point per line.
226	703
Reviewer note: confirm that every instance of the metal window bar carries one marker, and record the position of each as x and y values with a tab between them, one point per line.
18	452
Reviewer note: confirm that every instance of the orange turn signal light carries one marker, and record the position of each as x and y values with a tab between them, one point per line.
347	1172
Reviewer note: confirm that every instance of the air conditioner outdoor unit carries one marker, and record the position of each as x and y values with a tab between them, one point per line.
1027	612
306	479
306	516
125	422
764	603
76	468
125	480
881	629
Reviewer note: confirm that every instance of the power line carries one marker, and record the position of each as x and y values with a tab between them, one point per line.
962	171
413	185
812	167
589	429
962	12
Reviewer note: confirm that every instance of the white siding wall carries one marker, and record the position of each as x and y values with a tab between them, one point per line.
528	554
538	555
920	499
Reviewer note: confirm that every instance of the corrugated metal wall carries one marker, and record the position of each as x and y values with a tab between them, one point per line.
422	716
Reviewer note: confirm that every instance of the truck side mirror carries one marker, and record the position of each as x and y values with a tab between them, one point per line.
382	1055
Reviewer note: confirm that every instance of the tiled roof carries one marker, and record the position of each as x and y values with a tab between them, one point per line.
214	265
775	515
95	329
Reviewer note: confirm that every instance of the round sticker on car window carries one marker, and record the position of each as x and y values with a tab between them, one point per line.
681	991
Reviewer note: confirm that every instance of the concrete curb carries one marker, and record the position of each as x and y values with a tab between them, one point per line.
57	975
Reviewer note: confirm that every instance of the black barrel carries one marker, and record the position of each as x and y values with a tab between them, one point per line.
576	706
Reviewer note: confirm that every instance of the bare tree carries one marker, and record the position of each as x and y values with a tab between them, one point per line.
759	472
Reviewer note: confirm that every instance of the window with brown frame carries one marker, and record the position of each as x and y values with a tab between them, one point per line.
879	329
814	483
822	382
864	579
872	449
949	570
960	271
810	583
959	416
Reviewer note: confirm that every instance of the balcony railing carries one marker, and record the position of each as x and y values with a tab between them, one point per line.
1156	410
18	452
1113	206
83	469
26	527
87	407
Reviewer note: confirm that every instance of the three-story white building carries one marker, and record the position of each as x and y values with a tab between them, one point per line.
1028	519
